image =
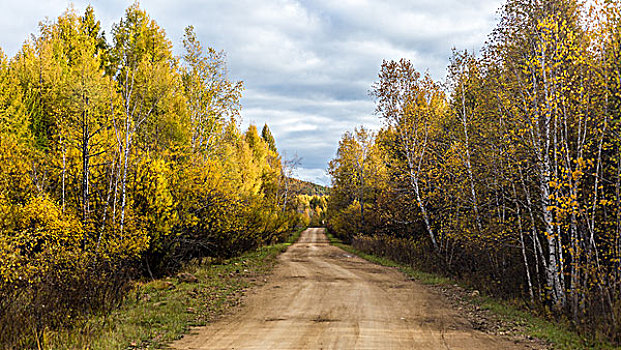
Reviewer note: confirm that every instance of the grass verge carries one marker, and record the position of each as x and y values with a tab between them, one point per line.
501	317
158	312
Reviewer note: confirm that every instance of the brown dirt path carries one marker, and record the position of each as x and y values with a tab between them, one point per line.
321	297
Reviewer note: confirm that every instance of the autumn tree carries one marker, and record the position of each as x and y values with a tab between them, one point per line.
411	105
213	99
510	169
121	159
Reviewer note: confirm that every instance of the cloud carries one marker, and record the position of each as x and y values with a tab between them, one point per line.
307	65
314	175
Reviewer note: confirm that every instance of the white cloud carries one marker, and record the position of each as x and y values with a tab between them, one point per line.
307	65
319	176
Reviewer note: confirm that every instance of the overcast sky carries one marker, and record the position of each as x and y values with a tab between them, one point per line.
307	66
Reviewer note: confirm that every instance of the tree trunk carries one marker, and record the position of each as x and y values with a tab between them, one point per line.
523	246
473	192
85	167
423	210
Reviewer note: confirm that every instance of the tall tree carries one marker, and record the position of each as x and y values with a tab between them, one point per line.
411	106
213	99
267	136
144	70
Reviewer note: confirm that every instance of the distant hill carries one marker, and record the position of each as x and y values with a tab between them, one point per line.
308	188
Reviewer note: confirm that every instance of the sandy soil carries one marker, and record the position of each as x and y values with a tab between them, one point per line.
321	297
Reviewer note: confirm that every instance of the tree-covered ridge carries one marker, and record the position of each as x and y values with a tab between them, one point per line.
308	188
508	174
119	158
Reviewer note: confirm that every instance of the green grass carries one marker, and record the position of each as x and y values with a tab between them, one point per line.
557	334
160	311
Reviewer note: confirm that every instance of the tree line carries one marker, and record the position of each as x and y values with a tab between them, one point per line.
118	158
508	174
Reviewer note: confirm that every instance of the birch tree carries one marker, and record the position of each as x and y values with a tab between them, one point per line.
411	106
142	62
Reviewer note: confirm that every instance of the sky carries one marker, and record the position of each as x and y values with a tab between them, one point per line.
307	65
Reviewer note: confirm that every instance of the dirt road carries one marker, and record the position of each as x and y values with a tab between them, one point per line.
321	297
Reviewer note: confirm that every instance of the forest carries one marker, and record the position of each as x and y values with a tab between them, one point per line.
120	160
508	174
